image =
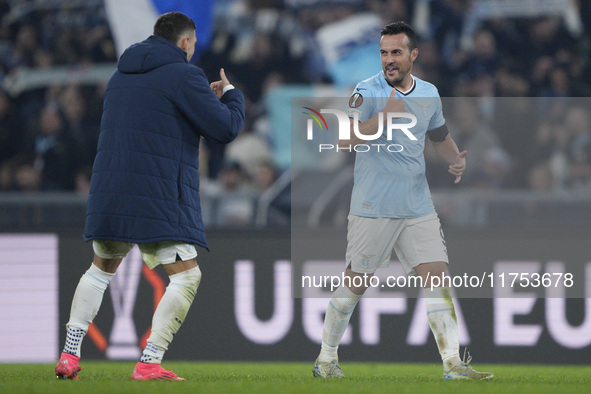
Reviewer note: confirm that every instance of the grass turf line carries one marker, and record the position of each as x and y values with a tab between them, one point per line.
259	378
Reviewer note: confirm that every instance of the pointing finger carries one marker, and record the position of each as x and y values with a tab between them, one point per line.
223	76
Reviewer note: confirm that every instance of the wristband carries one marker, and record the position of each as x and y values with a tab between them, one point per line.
227	87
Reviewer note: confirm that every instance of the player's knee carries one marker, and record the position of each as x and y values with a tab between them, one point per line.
360	290
186	281
358	283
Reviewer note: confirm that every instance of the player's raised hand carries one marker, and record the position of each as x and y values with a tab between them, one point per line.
218	86
225	81
458	167
395	103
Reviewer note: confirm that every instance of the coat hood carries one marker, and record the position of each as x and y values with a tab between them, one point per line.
149	54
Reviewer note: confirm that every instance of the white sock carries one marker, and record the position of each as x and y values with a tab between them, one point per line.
74	338
444	325
338	313
152	354
173	307
85	305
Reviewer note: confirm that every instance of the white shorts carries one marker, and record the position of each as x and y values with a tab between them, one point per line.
153	254
370	242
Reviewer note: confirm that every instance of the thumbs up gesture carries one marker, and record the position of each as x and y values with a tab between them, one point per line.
458	167
218	86
395	103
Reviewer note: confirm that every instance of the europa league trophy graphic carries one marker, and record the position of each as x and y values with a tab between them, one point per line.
123	342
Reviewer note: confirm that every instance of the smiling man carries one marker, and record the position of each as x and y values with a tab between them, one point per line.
391	207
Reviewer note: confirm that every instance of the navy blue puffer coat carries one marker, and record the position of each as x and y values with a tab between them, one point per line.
145	179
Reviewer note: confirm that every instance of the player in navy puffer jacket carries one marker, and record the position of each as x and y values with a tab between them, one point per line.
145	183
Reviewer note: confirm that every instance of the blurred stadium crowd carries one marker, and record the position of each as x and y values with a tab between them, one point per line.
48	134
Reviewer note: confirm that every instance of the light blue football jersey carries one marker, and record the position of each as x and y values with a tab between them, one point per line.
389	183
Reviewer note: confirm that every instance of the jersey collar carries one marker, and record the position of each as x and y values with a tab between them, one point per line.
409	91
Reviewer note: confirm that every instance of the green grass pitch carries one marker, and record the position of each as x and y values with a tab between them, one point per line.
260	378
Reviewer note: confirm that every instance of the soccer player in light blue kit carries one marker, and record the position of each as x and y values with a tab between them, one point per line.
391	207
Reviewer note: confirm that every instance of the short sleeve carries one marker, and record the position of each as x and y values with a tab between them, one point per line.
360	102
437	120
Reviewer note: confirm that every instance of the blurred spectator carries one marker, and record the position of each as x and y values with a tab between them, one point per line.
249	150
578	124
26	45
546	36
82	180
266	56
27	178
265	176
540	178
580	172
391	10
494	170
431	68
510	82
55	151
487	163
447	17
514	123
20	174
558	83
473	134
541	72
83	129
235	196
482	59
233	179
10	137
550	146
482	85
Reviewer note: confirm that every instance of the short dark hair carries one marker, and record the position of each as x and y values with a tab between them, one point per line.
172	24
401	28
